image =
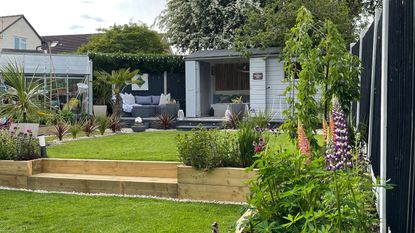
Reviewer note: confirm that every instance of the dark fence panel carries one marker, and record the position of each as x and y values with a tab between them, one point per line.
375	149
400	115
175	86
365	79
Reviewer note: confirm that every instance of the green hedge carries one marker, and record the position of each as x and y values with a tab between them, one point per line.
147	63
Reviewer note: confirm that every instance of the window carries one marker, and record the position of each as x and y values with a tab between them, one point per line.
19	43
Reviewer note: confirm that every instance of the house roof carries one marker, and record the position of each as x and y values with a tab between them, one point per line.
68	43
7	21
226	53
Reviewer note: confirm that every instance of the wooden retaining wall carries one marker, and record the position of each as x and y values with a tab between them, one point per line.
167	179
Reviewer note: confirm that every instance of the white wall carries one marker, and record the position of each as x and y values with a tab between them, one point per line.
20	29
258	87
275	99
192	77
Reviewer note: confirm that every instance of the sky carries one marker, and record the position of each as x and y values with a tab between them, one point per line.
60	17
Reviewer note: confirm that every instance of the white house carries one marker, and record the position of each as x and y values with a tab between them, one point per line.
17	33
215	77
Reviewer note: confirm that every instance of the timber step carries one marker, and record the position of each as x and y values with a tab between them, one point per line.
85	183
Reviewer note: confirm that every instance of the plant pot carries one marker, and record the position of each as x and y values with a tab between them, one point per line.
25	127
100	110
237	109
138	128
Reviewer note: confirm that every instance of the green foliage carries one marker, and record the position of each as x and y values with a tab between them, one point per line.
292	194
147	63
20	146
247	135
318	56
196	24
103	124
74	129
8	146
23	98
102	91
268	26
127	38
261	119
207	149
117	79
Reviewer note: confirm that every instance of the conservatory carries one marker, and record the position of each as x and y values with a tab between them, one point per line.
66	78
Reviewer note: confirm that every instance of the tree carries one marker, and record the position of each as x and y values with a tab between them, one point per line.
269	26
118	78
319	50
127	38
193	25
22	100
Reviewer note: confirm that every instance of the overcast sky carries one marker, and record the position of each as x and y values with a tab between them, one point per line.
57	17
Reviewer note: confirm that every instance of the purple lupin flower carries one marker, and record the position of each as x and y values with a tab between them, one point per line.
338	154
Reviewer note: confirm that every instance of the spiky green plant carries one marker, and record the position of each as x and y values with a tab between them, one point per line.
23	98
118	78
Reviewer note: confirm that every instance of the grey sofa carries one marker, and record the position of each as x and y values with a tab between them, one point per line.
148	106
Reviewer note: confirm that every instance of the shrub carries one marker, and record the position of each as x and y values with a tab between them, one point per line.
165	120
8	145
75	129
114	124
248	134
207	149
261	119
61	128
294	194
27	147
89	126
103	124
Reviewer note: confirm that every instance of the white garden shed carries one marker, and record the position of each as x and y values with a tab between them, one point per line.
215	77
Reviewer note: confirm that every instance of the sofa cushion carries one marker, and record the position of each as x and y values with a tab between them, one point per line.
155	99
143	100
129	99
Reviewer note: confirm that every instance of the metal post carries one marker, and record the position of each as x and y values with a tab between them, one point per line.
383	116
90	89
165	82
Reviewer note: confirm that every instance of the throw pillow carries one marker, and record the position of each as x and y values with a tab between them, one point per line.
129	99
163	99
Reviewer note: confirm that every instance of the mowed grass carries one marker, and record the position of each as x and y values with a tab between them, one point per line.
45	212
146	146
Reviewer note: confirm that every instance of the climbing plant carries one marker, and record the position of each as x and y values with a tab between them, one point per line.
316	58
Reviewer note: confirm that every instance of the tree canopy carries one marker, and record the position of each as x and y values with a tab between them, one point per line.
127	38
193	25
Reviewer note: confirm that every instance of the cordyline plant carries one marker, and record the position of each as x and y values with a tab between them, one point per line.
118	78
22	99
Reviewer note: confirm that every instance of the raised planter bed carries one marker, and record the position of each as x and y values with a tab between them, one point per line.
14	173
220	184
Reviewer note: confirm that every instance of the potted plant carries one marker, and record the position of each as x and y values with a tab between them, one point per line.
117	79
21	102
237	107
102	96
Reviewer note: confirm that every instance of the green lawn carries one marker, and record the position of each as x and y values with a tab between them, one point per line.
147	146
35	212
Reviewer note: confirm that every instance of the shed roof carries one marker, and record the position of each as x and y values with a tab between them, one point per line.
227	53
69	43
